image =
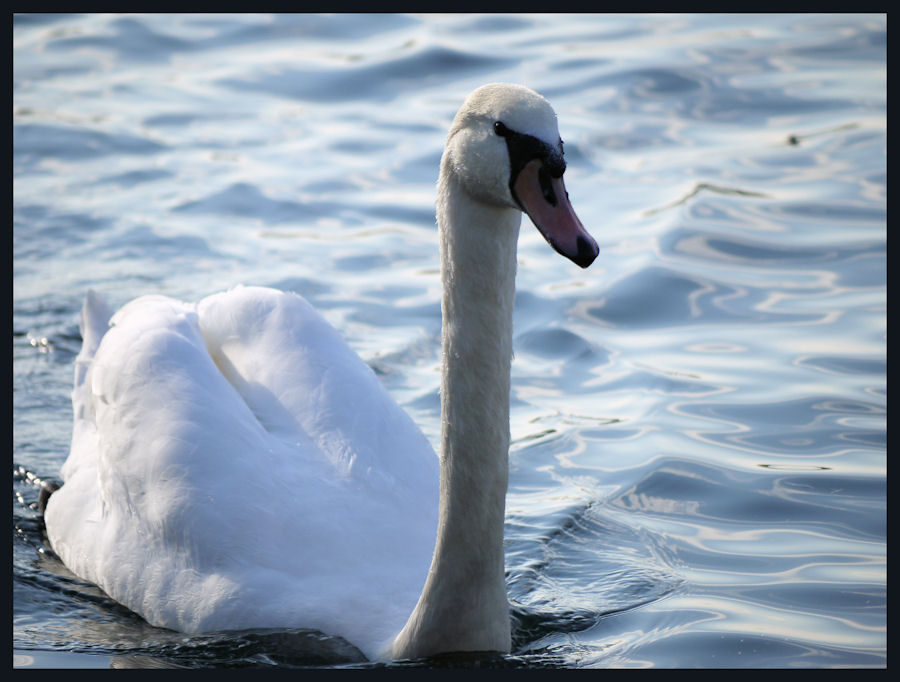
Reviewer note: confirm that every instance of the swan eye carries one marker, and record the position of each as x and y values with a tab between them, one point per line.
501	129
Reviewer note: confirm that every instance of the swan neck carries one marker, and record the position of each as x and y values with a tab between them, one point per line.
478	269
464	605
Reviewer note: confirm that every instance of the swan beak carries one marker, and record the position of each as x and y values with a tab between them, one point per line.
545	200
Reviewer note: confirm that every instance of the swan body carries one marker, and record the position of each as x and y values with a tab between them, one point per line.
234	464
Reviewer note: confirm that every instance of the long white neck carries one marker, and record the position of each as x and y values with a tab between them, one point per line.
463	606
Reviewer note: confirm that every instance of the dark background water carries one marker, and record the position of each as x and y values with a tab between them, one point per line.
697	477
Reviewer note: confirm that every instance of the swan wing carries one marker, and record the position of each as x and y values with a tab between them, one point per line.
234	464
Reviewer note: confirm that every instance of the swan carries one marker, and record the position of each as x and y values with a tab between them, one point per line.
235	465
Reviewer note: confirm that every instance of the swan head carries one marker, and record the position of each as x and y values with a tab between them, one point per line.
505	149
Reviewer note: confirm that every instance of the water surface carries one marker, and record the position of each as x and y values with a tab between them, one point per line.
697	477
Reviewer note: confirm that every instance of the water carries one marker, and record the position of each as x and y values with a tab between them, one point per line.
697	476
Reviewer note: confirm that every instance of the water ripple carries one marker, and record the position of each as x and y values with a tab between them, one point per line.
33	143
383	80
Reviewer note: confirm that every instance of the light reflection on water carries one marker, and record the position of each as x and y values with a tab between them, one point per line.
697	475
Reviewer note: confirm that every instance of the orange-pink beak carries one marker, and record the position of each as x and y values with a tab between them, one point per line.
546	202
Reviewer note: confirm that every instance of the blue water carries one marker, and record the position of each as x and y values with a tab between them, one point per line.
698	469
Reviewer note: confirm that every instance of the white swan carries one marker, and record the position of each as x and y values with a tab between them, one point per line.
235	465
